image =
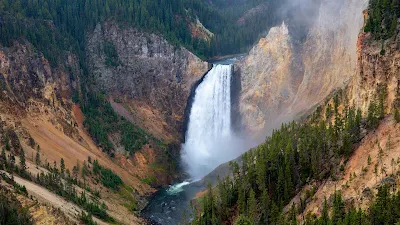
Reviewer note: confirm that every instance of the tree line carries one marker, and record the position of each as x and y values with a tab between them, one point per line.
34	19
383	16
101	120
11	210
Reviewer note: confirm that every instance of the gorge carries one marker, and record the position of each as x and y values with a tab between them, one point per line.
210	141
130	116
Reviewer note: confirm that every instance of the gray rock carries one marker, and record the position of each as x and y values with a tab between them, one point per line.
150	77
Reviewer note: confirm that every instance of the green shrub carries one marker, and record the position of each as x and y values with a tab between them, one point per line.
107	176
11	211
243	220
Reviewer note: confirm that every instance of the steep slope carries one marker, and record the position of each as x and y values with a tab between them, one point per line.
29	84
146	76
73	92
267	84
378	65
310	70
40	213
340	162
375	160
37	112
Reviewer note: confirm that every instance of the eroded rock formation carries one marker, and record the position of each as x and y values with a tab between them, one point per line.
374	69
29	84
283	77
147	77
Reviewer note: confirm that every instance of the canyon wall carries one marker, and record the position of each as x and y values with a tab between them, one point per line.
267	85
30	85
376	68
148	79
283	77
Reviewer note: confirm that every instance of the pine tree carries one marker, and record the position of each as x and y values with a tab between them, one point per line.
325	214
241	199
338	207
265	205
380	153
393	164
85	169
12	161
8	147
372	120
328	112
243	220
396	115
38	156
75	172
389	143
252	210
62	167
292	215
376	172
3	156
55	169
22	163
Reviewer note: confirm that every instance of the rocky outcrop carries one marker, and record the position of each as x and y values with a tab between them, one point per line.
376	68
329	53
267	84
30	85
283	77
144	74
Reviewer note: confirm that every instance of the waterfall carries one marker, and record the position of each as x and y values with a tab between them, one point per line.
209	133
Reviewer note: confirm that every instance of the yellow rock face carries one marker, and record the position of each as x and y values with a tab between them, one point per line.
282	78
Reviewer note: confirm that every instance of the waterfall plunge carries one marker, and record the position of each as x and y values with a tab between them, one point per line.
209	138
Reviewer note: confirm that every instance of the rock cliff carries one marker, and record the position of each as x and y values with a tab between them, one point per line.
378	65
30	85
148	79
267	84
283	77
375	69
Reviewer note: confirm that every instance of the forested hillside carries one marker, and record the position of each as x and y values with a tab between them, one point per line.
270	174
60	28
237	24
383	18
295	155
317	151
169	18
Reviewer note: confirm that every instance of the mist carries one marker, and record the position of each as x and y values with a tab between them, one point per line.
314	25
210	139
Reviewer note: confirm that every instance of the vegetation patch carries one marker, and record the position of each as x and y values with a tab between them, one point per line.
294	155
101	120
11	210
111	54
127	193
149	180
383	19
108	177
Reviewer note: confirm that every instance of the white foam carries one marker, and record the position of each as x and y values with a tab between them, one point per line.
176	188
209	131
